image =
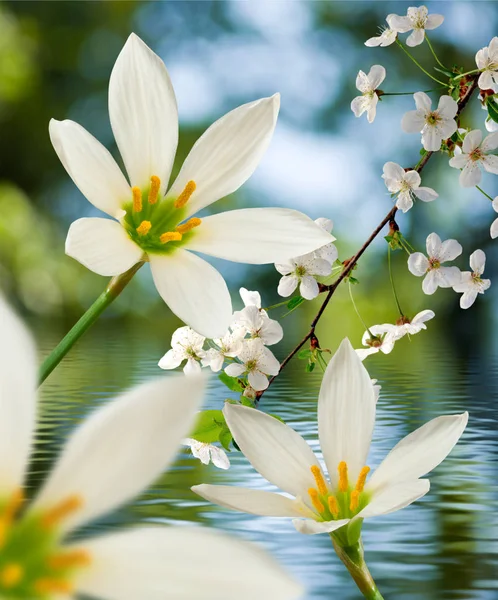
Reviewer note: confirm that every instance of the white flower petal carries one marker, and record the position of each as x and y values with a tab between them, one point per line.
376	76
122	447
419	452
400	24
422	102
156	564
219	458
395	497
91	167
257	380
235	369
309	287
433	245
102	245
447	108
471	174
493	230
170	360
490	142
256	502
287	285
413	121
194	291
449	250
227	154
430	283
372	108
259	436
433	21
459	161
404	201
143	112
250	298
468	299
346	413
431	139
392	170
472	141
258	235
309	527
490	163
418	264
415	38
413	179
18	383
478	261
485	80
448	276
359	105
425	194
363	82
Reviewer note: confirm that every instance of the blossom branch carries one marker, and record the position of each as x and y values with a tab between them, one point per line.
468	89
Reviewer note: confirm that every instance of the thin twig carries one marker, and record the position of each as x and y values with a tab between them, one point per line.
351	263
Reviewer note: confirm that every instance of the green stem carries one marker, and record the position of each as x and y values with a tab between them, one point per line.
467	73
112	291
353	559
483	192
391	278
411	93
418	64
357	311
433	53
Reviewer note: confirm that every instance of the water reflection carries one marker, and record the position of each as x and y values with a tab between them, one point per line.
444	546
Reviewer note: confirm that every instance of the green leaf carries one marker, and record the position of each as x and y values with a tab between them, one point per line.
232	383
492	109
208	426
295	302
310	366
353	280
305	353
225	438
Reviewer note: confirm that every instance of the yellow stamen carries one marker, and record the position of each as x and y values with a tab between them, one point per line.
184	197
362	477
62	510
144	228
315	500
320	481
53	586
155	184
333	506
170	236
355	500
190	224
343	476
11	575
137	199
67	560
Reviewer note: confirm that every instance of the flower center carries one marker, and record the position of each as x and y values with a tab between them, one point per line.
475	155
432	119
300	271
375	341
32	562
251	364
434	263
155	224
343	503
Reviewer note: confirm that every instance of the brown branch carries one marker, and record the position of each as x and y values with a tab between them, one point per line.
467	89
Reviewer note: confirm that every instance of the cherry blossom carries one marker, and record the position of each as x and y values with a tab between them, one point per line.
487	63
406	185
472	283
378	338
474	156
417	19
186	344
368	86
387	36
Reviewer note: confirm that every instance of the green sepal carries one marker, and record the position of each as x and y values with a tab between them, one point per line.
295	302
304	353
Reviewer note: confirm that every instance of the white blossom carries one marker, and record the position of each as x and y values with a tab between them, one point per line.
250	298
435	125
432	266
228	346
406	185
405	326
302	271
324	501
494	225
329	251
368	85
256	322
378	338
474	156
186	344
418	20
207	453
487	63
257	362
387	36
472	283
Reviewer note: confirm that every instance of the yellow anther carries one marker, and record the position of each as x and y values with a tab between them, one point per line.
155	184
11	575
333	506
184	197
355	500
343	476
315	500
62	510
170	236
320	481
144	228
190	224
137	199
67	560
362	477
48	585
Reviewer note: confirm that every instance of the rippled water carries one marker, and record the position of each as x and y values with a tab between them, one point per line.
444	546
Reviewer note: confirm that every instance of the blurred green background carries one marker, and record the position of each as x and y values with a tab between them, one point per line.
55	62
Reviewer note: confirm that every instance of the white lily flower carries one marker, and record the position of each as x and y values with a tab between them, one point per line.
207	453
493	231
476	154
487	62
257	362
329	251
405	326
387	36
406	184
346	418
257	324
230	345
432	266
302	271
435	125
419	20
151	222
186	344
379	338
368	85
472	283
